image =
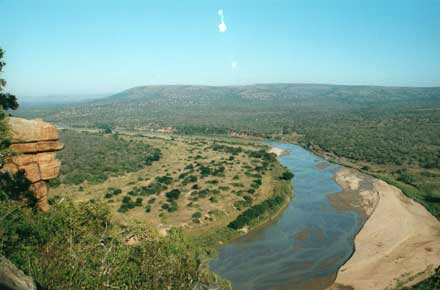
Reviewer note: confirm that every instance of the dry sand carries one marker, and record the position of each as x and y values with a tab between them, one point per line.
399	243
278	151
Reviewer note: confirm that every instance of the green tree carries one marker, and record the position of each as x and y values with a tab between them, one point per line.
7	102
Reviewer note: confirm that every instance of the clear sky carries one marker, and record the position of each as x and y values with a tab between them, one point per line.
56	47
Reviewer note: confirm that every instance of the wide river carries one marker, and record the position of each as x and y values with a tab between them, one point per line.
306	245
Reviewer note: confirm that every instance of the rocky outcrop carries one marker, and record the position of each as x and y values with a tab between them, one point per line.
12	278
34	143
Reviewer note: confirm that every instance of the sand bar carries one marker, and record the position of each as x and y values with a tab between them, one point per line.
278	151
400	241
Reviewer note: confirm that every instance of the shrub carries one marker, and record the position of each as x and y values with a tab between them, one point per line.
253	213
164	179
42	244
173	195
173	207
197	215
189	179
287	175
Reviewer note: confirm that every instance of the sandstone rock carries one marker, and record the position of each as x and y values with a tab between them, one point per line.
22	159
35	143
34	147
9	167
50	170
31	171
12	278
40	191
45	157
24	131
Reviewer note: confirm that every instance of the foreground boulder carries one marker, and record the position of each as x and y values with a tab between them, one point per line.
34	143
12	278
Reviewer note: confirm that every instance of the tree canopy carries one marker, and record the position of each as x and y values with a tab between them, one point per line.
7	102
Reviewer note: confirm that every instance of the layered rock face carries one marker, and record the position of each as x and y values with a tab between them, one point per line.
35	143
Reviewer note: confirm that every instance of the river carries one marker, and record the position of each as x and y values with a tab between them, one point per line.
306	245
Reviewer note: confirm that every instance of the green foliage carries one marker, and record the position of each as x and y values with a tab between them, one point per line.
105	128
287	175
15	187
197	215
77	247
154	155
111	191
432	283
172	206
95	157
259	211
396	125
164	179
7	102
173	195
189	179
228	149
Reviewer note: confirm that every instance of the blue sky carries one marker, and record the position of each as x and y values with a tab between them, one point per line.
101	47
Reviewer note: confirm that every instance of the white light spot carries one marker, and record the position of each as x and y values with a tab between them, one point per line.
222	26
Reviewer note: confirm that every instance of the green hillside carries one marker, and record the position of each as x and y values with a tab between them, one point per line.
378	124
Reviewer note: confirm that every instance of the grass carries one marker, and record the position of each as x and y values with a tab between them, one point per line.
217	178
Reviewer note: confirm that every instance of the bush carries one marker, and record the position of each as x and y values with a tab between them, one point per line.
189	179
173	195
287	175
197	215
75	247
164	179
252	214
173	207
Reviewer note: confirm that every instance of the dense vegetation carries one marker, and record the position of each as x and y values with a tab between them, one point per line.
78	247
7	102
94	157
377	124
432	283
255	213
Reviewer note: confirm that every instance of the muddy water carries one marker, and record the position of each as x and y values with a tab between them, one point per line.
306	245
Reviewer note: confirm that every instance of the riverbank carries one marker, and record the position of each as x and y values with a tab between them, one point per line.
279	188
397	246
278	151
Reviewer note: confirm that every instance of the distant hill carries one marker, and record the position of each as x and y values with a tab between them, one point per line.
376	124
236	107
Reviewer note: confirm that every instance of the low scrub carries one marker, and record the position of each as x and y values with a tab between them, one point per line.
78	247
